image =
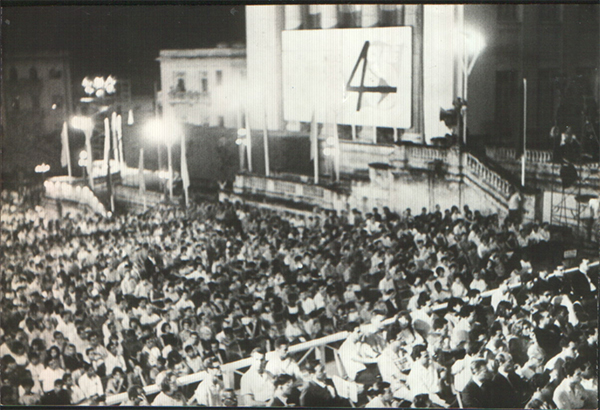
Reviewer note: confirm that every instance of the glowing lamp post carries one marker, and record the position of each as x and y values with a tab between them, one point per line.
86	125
474	43
99	86
164	131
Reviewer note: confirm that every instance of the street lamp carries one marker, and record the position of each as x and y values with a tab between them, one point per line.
474	43
99	86
86	125
164	131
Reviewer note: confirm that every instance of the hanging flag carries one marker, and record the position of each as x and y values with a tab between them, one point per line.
185	175
113	125
248	143
120	138
142	180
106	142
336	150
65	154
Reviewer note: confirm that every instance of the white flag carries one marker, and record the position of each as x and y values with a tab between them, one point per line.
142	180
106	142
185	176
64	152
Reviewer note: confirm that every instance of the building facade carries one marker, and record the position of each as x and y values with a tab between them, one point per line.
555	47
203	86
36	93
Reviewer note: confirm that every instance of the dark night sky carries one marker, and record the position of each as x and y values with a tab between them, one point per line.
120	40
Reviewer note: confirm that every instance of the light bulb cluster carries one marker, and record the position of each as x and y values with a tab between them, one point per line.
99	86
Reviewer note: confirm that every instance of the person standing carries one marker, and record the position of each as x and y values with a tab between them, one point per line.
257	387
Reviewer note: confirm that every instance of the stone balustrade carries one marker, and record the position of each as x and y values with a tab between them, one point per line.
490	178
510	154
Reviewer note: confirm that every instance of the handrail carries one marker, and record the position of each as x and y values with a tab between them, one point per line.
508	154
336	337
488	176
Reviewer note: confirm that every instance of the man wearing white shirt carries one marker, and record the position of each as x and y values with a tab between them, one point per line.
208	392
49	375
280	363
257	387
90	383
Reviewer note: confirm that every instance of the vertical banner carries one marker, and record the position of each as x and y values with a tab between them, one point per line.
120	137
248	142
185	175
106	142
113	124
142	179
65	153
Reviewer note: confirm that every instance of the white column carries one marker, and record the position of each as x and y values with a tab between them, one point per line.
293	16
439	36
264	25
293	21
369	15
328	15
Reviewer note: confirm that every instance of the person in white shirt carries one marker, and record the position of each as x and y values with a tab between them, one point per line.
280	362
257	386
90	383
170	395
423	377
208	392
49	375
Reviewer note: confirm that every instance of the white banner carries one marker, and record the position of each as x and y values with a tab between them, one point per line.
359	76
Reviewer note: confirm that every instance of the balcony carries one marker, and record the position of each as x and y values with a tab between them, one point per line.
188	97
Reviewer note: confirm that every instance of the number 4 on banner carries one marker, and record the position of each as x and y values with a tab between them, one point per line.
383	89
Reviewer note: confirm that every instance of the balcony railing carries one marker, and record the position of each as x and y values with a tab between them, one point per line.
490	178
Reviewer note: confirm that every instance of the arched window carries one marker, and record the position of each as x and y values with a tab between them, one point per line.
180	88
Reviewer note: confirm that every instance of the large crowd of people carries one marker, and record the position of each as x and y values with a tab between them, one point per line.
93	307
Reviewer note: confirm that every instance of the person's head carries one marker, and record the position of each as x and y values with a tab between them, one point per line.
504	362
228	398
89	370
58	385
420	354
136	394
284	383
422	401
213	368
27	384
53	363
479	370
281	347
118	373
259	359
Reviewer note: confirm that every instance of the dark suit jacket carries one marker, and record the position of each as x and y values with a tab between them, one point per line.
474	396
511	393
314	395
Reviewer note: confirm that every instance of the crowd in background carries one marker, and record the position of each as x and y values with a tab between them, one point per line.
93	307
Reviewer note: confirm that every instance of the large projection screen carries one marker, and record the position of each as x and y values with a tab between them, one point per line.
348	76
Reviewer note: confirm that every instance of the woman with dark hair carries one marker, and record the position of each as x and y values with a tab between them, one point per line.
117	382
55	353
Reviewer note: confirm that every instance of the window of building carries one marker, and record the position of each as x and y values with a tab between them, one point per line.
13	74
33	74
508	13
180	87
205	85
507	92
221	121
55	73
219	76
179	82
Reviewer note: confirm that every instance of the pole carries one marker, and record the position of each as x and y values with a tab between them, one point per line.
466	87
170	165
88	146
266	144
248	143
524	156
120	133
